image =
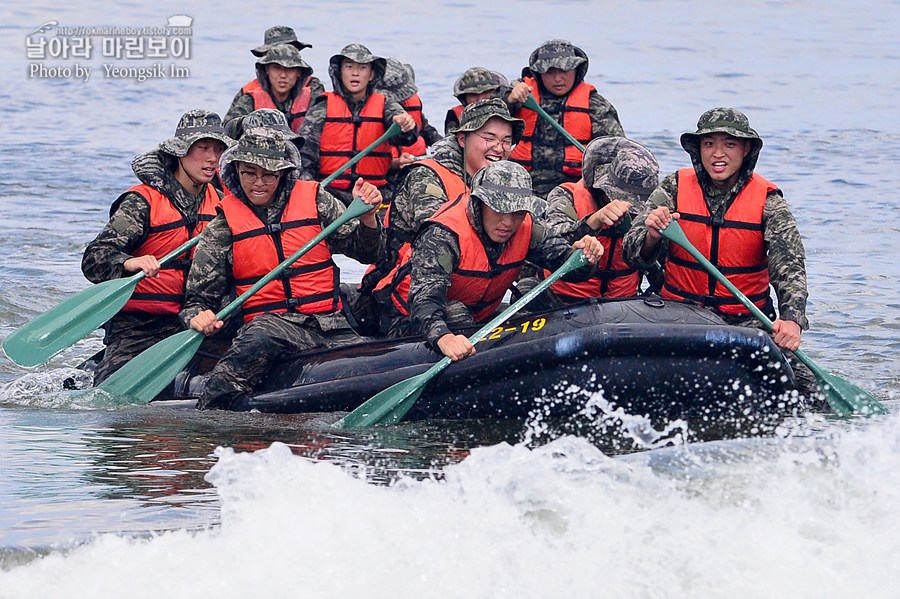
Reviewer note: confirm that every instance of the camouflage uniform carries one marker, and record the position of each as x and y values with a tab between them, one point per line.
504	187
613	168
260	341
476	80
399	85
421	193
787	258
130	333
311	129
287	56
547	154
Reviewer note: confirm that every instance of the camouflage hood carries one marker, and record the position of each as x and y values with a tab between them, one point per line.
356	53
263	147
280	34
477	80
621	168
562	54
722	120
399	81
269	118
505	187
288	57
157	169
193	126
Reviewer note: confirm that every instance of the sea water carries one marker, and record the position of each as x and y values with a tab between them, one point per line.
105	500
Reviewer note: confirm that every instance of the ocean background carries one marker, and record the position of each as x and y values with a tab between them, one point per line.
141	501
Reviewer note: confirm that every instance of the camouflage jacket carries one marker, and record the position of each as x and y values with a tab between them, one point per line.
787	258
562	217
129	223
243	104
436	254
547	158
311	132
211	277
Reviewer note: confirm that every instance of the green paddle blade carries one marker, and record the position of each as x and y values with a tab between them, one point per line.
56	329
148	373
842	396
35	342
392	404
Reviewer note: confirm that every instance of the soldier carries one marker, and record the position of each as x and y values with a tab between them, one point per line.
399	84
345	121
173	203
555	77
486	134
617	177
271	216
477	83
470	252
739	221
283	81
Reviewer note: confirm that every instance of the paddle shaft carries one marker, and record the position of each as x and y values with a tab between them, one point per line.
390	406
532	103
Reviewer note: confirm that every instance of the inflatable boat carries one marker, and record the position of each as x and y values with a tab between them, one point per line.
650	357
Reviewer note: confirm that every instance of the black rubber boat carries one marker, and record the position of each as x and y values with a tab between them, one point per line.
663	359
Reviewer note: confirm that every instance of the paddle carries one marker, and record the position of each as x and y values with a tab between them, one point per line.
844	397
60	327
145	375
390	405
37	341
533	105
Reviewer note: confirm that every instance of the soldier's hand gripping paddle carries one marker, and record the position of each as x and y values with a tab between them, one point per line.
844	397
393	403
37	341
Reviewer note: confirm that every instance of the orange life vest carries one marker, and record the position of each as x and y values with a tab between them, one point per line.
311	283
413	106
169	229
614	277
576	119
453	115
476	282
344	135
453	186
299	107
735	246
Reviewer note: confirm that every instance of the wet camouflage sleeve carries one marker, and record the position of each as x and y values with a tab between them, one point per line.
787	257
549	250
562	217
210	278
429	133
126	231
418	197
435	257
604	117
353	239
311	132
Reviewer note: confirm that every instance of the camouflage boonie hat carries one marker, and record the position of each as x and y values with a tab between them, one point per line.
476	80
399	81
361	54
193	126
505	187
476	114
280	34
263	147
270	119
623	169
722	120
287	56
562	54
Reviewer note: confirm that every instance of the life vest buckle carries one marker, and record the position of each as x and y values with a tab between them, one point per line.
273	228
